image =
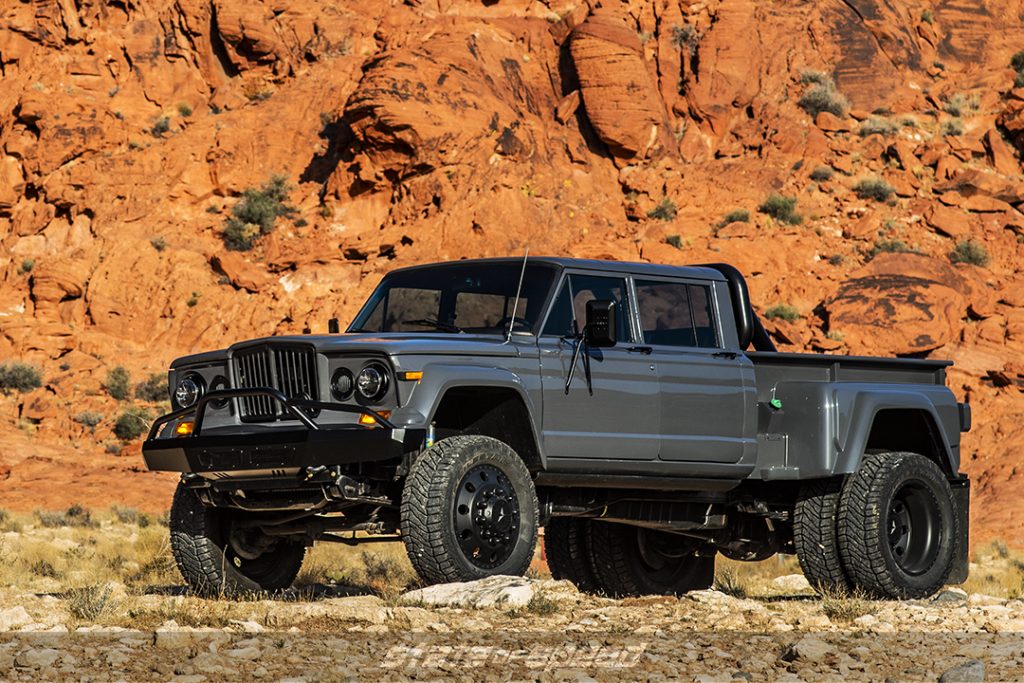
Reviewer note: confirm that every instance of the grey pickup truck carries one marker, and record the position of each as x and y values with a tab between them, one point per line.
639	413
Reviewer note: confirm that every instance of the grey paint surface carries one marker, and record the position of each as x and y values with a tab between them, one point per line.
682	412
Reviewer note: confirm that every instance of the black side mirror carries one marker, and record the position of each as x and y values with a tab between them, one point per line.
601	323
332	326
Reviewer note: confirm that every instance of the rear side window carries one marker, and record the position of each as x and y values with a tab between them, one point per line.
571	304
676	314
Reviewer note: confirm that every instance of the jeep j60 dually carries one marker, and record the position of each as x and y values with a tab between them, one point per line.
638	413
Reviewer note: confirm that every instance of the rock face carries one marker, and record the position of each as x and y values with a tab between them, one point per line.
421	131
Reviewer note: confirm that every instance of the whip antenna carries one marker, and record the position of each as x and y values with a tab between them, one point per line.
519	290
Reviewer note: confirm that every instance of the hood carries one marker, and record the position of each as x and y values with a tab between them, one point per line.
397	343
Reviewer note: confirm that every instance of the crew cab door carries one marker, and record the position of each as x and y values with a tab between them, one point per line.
708	397
620	419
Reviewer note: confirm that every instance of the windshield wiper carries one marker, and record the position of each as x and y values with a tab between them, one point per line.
444	327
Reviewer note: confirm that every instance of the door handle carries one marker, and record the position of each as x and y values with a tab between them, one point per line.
730	355
646	350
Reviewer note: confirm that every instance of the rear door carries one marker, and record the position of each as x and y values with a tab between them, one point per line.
620	419
707	391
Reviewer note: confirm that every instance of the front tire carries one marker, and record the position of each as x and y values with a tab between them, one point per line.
212	565
897	526
469	510
629	560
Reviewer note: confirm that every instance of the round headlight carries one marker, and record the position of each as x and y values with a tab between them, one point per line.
188	391
372	382
342	384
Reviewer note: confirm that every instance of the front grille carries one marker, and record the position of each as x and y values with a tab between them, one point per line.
291	370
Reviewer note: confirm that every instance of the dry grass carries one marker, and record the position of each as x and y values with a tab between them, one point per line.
845	607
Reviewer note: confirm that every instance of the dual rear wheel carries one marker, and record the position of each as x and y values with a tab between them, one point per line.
889	529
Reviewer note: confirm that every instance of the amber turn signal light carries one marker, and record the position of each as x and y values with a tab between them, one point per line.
185	428
413	376
370	420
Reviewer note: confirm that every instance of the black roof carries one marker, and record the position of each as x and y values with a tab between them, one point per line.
633	268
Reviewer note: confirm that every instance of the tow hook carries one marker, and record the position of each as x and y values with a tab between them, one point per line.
315	471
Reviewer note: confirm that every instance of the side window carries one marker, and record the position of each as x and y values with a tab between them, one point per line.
675	314
571	304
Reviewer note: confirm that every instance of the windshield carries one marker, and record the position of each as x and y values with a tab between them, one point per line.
475	298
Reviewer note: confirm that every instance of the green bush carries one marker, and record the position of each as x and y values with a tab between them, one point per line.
928	17
874	188
877	126
256	213
737	216
685	38
160	126
783	312
89	419
18	376
675	241
1018	80
75	516
969	251
952	127
26	266
822	173
959	104
118	383
781	208
159	243
823	96
131	424
664	211
154	389
893	246
184	109
1017	61
809	76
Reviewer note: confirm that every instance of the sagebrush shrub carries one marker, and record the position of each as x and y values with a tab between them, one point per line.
18	376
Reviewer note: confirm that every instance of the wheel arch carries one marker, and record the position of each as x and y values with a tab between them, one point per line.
486	401
897	421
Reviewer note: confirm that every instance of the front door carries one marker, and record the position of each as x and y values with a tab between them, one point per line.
618	416
707	392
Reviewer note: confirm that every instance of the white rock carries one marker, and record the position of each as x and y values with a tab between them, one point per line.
14	617
792	582
247	626
249	653
494	591
171	636
40	658
808	649
866	621
982	599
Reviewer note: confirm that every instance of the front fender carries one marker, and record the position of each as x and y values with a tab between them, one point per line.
438	378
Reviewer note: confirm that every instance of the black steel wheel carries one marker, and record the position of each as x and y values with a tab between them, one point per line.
629	560
486	516
469	510
218	557
897	526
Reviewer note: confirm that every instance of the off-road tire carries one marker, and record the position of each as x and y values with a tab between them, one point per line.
621	571
816	535
430	509
209	565
565	547
884	487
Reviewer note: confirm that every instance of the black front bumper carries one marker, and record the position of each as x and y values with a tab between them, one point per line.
262	448
279	449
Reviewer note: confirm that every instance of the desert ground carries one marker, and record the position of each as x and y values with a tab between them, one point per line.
95	596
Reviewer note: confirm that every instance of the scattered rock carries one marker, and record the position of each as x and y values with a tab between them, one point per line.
14	617
505	591
808	649
792	582
972	671
39	658
950	596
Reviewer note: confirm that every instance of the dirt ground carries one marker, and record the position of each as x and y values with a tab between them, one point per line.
95	596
